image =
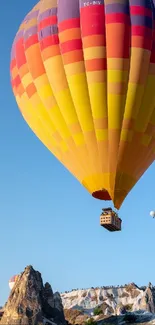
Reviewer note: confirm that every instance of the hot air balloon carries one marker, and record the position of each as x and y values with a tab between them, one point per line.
12	281
83	75
152	214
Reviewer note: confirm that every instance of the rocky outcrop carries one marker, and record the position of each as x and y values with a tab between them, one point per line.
32	303
74	316
107	301
133	319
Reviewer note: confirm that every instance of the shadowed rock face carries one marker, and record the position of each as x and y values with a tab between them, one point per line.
31	303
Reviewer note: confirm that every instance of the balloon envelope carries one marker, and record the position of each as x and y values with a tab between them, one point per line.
83	74
152	214
12	281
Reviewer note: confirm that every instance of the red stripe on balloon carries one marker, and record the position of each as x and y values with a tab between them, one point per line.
142	31
52	20
117	18
20	55
141	11
92	20
32	40
49	41
13	64
16	81
69	24
71	45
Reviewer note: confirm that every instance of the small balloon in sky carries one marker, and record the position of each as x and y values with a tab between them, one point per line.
152	214
12	281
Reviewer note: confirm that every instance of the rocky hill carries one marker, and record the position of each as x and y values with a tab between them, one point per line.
32	303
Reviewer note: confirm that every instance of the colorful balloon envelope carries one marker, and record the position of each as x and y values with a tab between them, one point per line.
83	75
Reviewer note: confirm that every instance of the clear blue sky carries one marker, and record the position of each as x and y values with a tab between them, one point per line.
47	219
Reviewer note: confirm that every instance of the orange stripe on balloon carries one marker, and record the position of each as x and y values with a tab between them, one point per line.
95	64
73	56
95	40
50	52
141	42
35	64
20	90
113	50
70	34
31	90
23	70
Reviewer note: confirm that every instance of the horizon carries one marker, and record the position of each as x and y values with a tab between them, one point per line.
96	288
108	286
48	219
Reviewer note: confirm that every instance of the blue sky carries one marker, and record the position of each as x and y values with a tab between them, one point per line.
47	219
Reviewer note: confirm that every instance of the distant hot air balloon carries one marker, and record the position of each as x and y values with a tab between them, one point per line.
83	75
12	281
152	214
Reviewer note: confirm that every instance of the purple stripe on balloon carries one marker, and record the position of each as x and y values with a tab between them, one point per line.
68	9
19	35
13	51
48	31
44	15
33	14
153	8
117	8
87	3
26	18
141	21
153	3
31	31
47	13
142	3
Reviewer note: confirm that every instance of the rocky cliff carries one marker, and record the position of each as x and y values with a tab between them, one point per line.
32	303
108	301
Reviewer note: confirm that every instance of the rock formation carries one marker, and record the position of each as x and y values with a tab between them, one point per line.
129	297
32	303
104	302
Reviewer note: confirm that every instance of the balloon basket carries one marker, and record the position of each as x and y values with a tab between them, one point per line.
110	220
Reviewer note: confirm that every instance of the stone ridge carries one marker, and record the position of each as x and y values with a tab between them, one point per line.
31	303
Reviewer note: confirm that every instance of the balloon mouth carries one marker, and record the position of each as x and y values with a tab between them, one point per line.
102	195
